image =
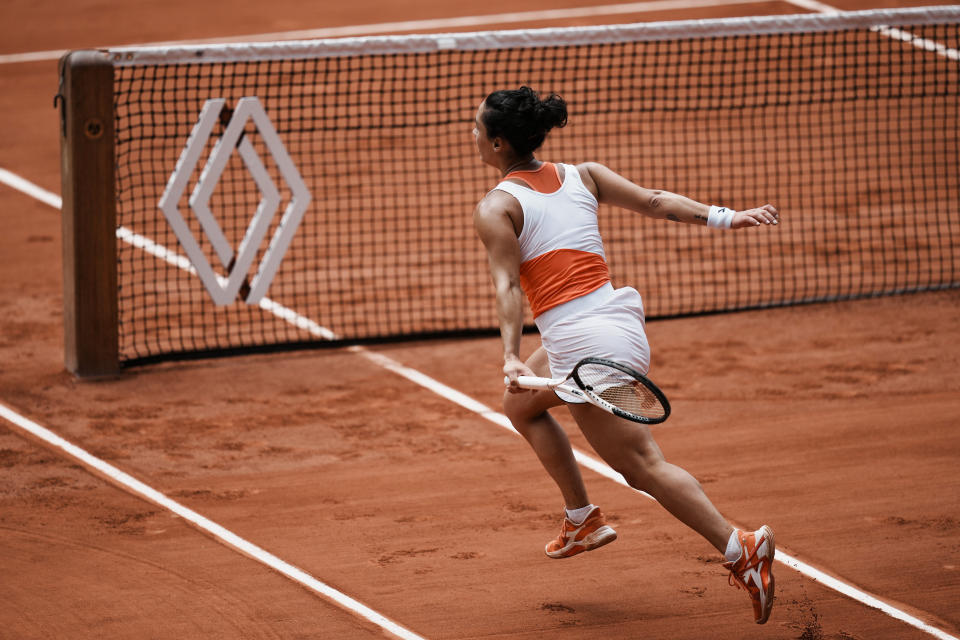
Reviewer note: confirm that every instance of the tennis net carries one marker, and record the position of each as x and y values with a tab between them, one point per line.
328	185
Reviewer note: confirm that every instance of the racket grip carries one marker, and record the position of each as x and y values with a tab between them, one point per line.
533	382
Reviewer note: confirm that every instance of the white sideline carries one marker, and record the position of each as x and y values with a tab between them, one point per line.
421	25
226	536
501	420
25	186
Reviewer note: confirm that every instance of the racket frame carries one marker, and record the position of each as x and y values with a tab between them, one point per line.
581	390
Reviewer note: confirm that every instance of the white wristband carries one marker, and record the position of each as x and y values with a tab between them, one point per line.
720	217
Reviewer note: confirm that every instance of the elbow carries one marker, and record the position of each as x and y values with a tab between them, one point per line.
655	201
508	288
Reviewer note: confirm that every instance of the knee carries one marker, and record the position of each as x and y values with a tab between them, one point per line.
634	472
521	409
638	478
638	467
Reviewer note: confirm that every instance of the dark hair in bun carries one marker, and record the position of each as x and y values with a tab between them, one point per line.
520	116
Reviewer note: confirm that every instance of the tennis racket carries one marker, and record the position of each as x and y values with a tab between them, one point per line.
612	386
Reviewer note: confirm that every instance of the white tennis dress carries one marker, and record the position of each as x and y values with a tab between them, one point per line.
564	273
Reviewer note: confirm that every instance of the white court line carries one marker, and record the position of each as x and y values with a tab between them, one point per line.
920	43
25	186
131	484
585	460
814	6
890	32
421	25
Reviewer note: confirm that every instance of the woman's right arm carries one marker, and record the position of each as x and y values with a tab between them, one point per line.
495	226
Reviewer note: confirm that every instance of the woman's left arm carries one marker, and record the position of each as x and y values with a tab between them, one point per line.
611	188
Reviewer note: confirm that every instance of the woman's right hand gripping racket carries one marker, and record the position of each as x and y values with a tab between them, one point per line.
612	386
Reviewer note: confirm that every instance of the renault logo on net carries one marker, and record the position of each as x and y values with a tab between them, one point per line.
224	290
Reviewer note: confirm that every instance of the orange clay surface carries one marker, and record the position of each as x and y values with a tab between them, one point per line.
836	424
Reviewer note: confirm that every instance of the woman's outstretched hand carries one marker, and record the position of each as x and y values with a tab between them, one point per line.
767	214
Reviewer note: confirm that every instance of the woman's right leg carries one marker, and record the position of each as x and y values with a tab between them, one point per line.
527	411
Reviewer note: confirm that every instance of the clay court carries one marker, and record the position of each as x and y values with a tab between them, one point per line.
835	423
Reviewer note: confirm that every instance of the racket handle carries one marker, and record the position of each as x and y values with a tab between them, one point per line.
535	383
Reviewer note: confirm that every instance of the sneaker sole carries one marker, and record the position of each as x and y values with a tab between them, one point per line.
603	535
771	552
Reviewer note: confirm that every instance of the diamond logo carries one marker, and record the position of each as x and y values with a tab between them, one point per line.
224	290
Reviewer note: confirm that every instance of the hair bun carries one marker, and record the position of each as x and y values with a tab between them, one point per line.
554	111
522	117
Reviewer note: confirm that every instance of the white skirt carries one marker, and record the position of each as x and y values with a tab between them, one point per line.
607	323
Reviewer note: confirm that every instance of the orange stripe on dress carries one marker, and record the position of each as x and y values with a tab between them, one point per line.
546	179
559	276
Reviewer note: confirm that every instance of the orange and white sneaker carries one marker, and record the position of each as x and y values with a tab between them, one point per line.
753	570
593	532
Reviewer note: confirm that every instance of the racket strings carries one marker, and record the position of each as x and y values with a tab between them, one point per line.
634	398
621	390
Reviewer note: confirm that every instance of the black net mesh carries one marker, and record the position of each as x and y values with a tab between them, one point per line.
852	134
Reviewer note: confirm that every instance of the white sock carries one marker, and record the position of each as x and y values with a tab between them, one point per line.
734	549
577	516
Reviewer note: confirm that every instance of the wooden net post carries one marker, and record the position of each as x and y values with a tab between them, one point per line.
89	214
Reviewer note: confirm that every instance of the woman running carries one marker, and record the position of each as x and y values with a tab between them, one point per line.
539	227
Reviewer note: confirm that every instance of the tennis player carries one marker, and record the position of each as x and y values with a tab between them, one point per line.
539	227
